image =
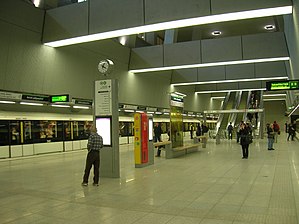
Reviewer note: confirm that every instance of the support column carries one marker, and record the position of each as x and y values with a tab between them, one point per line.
107	123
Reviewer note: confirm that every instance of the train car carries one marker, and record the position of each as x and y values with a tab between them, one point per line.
27	134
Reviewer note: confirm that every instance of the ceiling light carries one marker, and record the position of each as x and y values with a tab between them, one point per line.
60	105
228	81
174	24
229	90
274	95
177	67
7	102
217	97
216	33
81	107
276	99
180	94
269	27
31	104
129	111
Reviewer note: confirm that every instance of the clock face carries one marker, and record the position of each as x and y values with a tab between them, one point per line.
105	66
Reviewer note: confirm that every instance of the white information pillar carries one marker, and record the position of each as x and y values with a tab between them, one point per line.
106	120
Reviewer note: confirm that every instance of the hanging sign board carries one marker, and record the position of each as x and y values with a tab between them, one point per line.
282	85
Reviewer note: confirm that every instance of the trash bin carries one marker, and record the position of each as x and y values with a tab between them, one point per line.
217	139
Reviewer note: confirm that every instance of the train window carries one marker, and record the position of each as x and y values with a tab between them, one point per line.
15	134
4	133
81	129
126	129
45	131
27	126
67	133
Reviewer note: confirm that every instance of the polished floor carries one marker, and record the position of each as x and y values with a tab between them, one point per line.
211	186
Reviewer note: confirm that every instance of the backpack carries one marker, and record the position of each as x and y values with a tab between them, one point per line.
276	127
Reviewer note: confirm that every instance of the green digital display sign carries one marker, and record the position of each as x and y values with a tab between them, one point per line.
60	99
282	85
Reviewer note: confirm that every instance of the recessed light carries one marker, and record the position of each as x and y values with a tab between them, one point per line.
269	27
216	33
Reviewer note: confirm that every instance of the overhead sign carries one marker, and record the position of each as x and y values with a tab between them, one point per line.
282	85
10	95
60	98
35	97
82	101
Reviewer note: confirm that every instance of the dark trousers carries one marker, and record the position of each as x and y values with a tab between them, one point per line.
158	139
238	137
230	135
245	150
93	158
292	135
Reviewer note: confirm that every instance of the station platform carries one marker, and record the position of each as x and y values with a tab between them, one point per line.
211	186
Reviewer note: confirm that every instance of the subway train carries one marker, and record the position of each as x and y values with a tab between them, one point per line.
26	134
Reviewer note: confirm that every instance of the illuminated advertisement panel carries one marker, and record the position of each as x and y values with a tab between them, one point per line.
103	125
150	129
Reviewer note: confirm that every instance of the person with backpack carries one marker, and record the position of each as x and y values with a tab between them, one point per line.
276	129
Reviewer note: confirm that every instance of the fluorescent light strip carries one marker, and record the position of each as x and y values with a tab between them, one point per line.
229	81
229	90
217	97
81	107
175	24
58	105
129	111
31	104
275	99
7	102
202	65
274	95
180	94
293	110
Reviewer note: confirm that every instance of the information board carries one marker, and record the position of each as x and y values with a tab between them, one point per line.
282	85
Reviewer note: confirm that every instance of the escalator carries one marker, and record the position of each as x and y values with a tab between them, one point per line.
243	105
226	117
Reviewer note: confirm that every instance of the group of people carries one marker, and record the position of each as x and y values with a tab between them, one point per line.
244	136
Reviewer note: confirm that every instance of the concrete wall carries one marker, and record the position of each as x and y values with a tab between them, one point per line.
28	66
292	37
274	111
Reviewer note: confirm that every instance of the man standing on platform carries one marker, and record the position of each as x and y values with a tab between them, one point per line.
95	143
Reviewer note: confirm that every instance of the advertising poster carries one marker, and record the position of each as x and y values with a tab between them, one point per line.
137	138
144	136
